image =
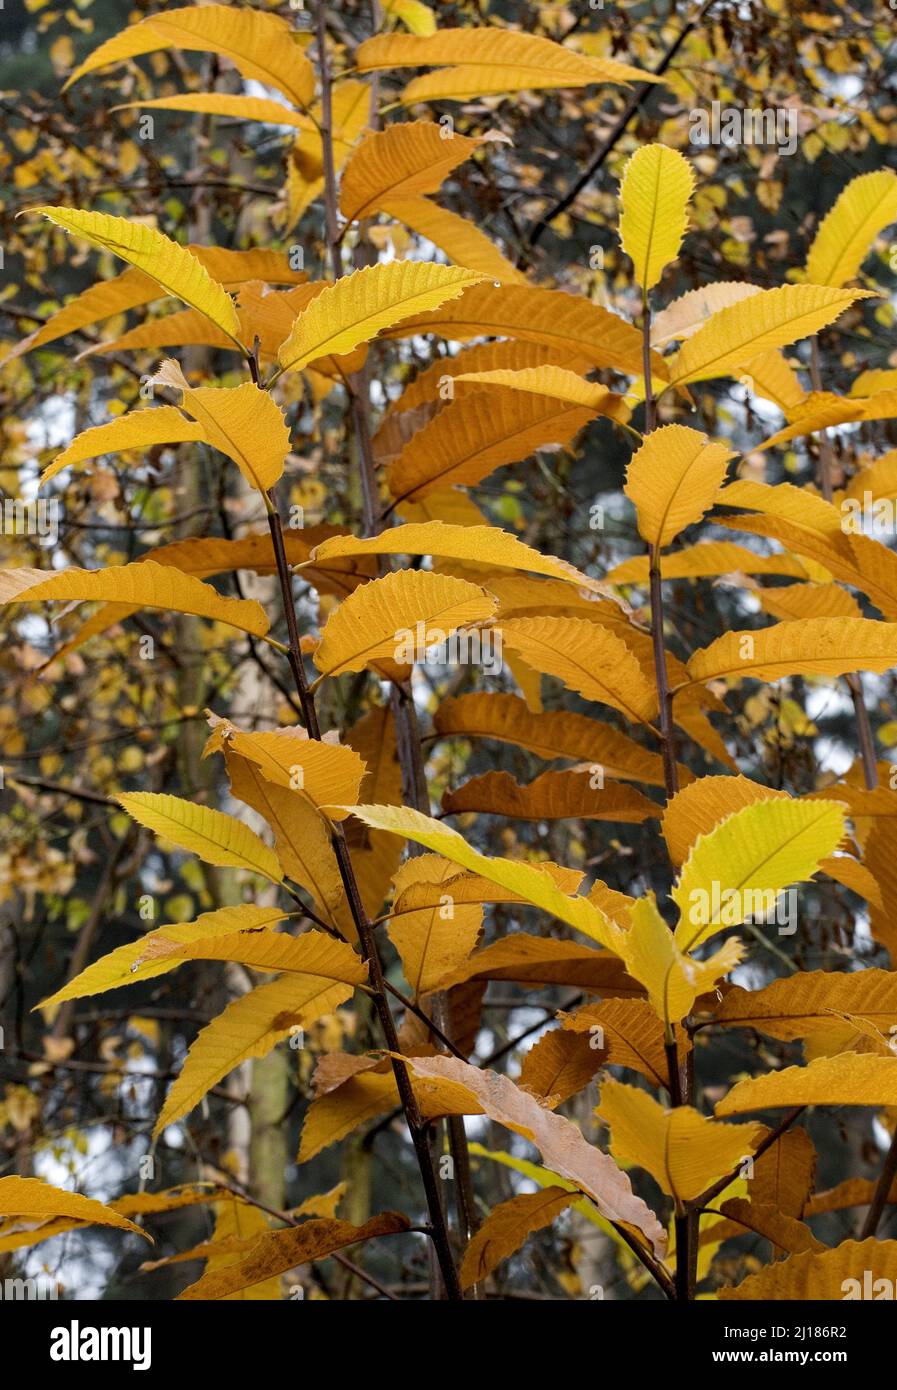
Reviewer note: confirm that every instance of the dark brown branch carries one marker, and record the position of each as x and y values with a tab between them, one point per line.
882	1190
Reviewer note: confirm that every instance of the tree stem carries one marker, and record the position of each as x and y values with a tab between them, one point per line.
853	679
416	1125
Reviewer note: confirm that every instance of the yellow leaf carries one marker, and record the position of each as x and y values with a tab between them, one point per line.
589	659
794	505
851	1078
209	555
701	807
140	585
397	618
376	858
655	192
684	316
416	16
682	1150
433	941
808	601
403	161
268	1255
863	209
357	307
805	647
486	545
559	1065
32	1198
554	734
216	837
531	882
475	434
852	1270
538	960
249	1027
765	1219
487	60
507	1227
173	267
312	953
317	770
879	479
673	979
672	480
704	559
140	429
630	1035
799	519
552	796
805	1005
260	45
556	382
240	108
342	1108
132	288
822	410
460	239
561	1144
242	422
738	870
571	324
419	882
509	355
236	1224
130	964
770	377
214	555
770	319
302	838
263	313
324	1204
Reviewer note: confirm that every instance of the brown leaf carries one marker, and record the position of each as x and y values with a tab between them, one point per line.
277	1251
563	1147
507	1227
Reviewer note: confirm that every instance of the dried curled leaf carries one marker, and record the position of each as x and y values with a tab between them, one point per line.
560	1143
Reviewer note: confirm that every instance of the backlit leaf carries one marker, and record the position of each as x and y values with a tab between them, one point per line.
140	585
216	837
359	306
655	191
739	868
864	208
260	45
173	267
